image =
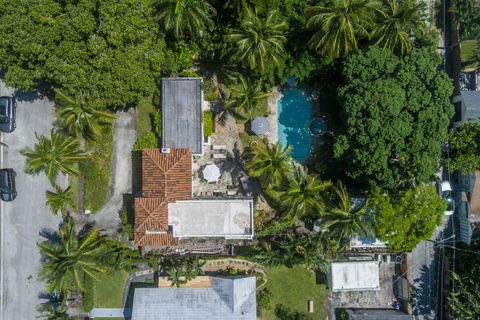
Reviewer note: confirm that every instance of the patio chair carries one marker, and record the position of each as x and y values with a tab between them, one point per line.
219	156
219	147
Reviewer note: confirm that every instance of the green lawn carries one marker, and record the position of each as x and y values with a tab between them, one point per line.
97	170
109	290
468	51
293	287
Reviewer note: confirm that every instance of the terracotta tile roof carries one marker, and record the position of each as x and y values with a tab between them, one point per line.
166	178
156	240
167	175
151	214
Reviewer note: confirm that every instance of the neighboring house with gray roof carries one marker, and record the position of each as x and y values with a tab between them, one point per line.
182	115
467	106
223	298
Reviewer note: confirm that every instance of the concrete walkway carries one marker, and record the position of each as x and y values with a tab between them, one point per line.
108	217
110	313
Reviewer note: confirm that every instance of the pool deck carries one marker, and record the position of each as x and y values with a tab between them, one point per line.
272	102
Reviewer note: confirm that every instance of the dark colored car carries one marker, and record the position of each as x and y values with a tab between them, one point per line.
8	107
7	184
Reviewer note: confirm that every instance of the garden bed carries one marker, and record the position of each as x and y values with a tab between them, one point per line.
97	170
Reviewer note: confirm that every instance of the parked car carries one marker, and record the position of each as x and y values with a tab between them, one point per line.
8	191
445	192
8	107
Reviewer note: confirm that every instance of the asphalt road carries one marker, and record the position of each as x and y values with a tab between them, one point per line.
24	219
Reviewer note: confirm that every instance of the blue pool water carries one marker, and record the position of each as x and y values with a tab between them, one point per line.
294	112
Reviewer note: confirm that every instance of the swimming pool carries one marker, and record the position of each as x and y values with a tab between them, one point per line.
294	114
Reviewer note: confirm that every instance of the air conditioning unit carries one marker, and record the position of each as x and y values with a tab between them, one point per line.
165	150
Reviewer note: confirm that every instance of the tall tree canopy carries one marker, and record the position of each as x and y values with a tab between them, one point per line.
398	21
395	114
340	25
185	17
259	39
407	217
107	49
464	148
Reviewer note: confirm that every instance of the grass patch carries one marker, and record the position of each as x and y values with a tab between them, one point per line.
144	109
97	169
292	288
109	289
149	125
207	123
88	294
469	51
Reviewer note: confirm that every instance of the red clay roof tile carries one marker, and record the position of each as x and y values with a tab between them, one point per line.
166	178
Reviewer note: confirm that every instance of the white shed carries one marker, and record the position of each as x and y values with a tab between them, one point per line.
355	276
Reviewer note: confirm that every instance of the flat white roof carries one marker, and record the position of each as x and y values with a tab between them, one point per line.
230	219
355	276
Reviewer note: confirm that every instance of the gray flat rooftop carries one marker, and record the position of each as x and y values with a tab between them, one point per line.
182	116
231	219
227	299
471	100
355	276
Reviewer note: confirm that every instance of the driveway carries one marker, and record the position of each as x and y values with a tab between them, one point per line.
23	219
108	218
424	270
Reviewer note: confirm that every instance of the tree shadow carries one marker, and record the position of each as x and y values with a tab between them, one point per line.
136	173
424	303
49	234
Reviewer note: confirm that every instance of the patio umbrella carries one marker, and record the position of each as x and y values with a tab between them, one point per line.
260	126
211	173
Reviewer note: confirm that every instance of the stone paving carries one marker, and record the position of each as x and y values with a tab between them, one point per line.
272	102
227	143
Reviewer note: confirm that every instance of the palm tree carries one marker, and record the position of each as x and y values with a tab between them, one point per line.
66	261
339	28
185	17
258	39
246	98
53	311
301	193
60	200
53	155
398	20
345	220
182	271
270	163
78	118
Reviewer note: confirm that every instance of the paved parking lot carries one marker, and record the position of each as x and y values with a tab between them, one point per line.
24	218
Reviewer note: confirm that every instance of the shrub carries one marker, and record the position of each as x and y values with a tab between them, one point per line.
156	117
127	228
207	123
148	140
264	297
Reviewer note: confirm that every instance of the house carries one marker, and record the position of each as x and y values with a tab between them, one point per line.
213	298
354	276
182	115
166	213
467	106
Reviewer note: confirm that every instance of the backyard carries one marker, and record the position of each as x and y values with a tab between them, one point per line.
470	54
292	288
107	291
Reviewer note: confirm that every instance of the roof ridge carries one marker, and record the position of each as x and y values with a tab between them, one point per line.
150	212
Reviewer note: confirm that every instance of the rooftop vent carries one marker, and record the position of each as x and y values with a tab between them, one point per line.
165	150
